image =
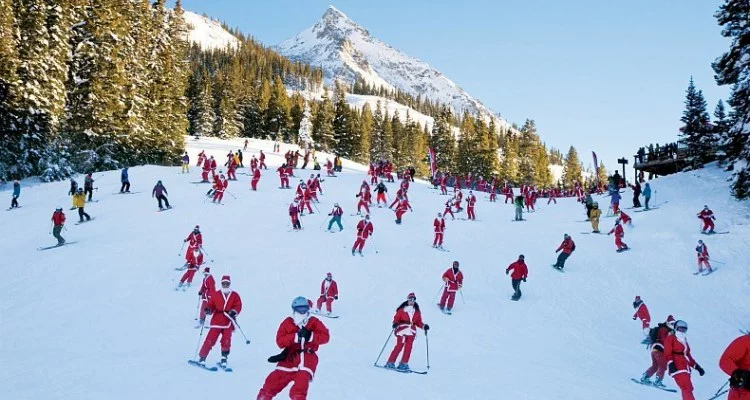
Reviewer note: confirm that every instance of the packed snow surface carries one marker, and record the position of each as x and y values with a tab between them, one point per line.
207	33
99	319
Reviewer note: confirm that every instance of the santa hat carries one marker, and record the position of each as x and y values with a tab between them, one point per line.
329	275
670	318
226	279
637	298
207	269
197	227
411	296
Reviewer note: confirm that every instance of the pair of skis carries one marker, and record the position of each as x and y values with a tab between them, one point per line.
403	371
212	369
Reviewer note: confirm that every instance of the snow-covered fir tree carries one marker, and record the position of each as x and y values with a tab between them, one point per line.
697	132
305	127
572	170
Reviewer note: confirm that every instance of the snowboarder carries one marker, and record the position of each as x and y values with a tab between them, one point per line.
194	239
405	323
520	273
735	362
454	281
364	231
58	223
125	180
518	203
208	288
401	208
679	360
300	337
335	215
707	216
439	225
294	211
641	312
470	201
256	179
329	291
88	186
619	234
647	194
381	190
194	263
224	305
185	163
79	201
160	192
16	194
567	246
703	257
657	336
594	215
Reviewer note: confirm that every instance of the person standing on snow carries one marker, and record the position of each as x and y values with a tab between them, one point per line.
405	323
283	177
454	280
735	362
194	263
223	306
329	291
256	179
88	186
707	216
567	246
79	201
185	163
439	225
208	288
658	362
520	273
636	194
449	208
680	361
647	194
518	204
594	215
401	208
125	180
300	337
619	234
16	194
703	257
616	202
294	211
470	201
160	192
335	215
262	160
364	231
641	312
219	189
58	223
381	190
194	240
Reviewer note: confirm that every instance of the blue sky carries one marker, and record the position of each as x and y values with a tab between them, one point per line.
601	75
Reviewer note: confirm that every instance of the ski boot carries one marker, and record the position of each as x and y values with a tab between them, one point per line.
328	314
403	367
200	323
352	252
360	252
179	286
390	365
201	361
658	383
645	379
223	361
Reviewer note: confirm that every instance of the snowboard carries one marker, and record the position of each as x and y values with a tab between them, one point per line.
715	233
84	221
13	208
591	233
195	364
655	387
125	192
320	314
164	209
403	371
55	246
647	209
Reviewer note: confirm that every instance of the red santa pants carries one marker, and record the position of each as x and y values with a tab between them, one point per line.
231	174
314	196
329	172
443	189
551	199
381	197
373	179
619	243
394	203
399	214
218	195
405	343
212	336
447	211
702	262
327	300
708	224
470	213
188	276
263	164
529	205
359	244
448	296
254	184
277	380
306	203
363	203
204	175
615	208
493	197
508	197
438	239
284	182
658	364
686	386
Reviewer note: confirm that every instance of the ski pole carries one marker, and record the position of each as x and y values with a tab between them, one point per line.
200	336
438	293
462	296
182	247
230	193
384	344
316	207
716	261
198	310
427	342
204	250
247	341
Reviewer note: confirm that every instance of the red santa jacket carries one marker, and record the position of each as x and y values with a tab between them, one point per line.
520	271
293	210
618	231
470	200
702	251
58	218
453	281
207	164
332	289
439	225
408	319
300	355
281	171
706	214
208	287
642	312
677	351
256	174
213	163
195	239
403	205
194	261
262	156
364	229
736	356
567	246
220	304
222	185
254	163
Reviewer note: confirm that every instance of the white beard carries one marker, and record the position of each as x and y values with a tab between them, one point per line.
681	336
300	319
226	290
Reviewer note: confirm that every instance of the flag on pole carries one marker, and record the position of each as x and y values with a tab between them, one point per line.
596	166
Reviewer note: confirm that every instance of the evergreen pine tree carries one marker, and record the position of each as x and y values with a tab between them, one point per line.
10	136
398	141
343	143
276	120
572	171
443	142
542	174
527	147
696	133
322	132
602	175
366	128
509	161
305	127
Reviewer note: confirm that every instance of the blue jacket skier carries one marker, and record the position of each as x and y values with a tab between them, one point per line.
16	194
125	188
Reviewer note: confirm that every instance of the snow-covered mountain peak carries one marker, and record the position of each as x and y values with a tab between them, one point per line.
207	33
336	25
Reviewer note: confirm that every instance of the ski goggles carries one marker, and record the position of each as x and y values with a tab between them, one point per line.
301	309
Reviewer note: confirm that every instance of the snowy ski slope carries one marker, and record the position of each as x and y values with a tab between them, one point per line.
99	319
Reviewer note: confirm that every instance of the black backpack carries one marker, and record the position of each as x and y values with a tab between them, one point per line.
653	334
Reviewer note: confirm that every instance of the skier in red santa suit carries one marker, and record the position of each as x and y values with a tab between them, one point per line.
223	306
364	231
401	208
658	362
625	218
529	200
702	252
364	199
439	225
201	158
454	280
312	184
329	291
373	175
735	362
493	192
194	239
206	169
294	211
256	179
306	199
641	312
194	262
707	216
508	194
262	159
619	234
329	168
283	177
300	337
213	165
219	189
470	201
458	196
552	196
253	163
401	193
444	184
680	361
231	167
208	287
290	170
449	208
405	323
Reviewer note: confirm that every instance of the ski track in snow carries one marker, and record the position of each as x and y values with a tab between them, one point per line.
90	320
